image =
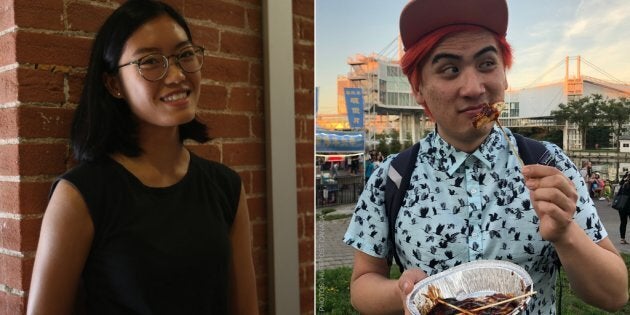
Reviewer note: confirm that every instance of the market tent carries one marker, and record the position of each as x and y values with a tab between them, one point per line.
328	141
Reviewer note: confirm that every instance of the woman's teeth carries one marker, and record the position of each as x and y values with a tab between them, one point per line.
175	97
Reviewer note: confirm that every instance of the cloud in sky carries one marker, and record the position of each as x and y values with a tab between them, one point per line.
577	28
595	30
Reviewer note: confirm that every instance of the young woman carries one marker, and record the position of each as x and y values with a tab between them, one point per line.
142	225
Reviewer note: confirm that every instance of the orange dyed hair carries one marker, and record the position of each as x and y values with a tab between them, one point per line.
415	57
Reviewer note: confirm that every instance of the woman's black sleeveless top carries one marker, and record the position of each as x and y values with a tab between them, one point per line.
158	250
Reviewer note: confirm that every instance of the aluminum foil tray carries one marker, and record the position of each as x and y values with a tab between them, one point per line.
474	279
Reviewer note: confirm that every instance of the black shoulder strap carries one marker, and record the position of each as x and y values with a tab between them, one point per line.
398	178
533	151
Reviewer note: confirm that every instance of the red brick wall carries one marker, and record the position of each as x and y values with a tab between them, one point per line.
42	65
303	55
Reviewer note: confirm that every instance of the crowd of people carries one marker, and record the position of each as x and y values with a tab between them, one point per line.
374	160
598	188
601	189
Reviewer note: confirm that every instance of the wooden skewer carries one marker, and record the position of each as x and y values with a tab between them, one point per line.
463	311
498	106
520	161
504	301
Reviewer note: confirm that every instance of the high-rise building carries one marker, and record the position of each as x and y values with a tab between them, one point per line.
388	101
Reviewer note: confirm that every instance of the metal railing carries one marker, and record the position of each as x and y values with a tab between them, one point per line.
346	189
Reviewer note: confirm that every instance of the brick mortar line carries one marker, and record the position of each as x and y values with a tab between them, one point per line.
230	85
28	179
234	57
14	104
12	179
22	140
20	217
304	42
222	27
95	3
240	140
9	67
39	105
11	29
64	33
54	68
240	113
12	253
244	4
12	291
9	141
233	113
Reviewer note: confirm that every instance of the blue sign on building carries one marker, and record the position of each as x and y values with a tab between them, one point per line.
354	106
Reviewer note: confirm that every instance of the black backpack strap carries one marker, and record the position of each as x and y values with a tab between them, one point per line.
398	178
533	151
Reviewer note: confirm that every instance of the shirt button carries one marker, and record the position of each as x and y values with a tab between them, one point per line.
473	191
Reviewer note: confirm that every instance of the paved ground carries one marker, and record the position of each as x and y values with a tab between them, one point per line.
610	217
333	253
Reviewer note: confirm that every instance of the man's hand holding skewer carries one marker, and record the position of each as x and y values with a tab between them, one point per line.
554	199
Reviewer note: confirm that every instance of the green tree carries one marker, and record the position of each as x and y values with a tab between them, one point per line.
615	113
582	111
389	142
383	147
394	144
543	134
407	142
599	137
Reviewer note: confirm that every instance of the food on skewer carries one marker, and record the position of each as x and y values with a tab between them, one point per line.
496	304
488	114
491	113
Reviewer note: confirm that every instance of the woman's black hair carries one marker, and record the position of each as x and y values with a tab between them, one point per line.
104	124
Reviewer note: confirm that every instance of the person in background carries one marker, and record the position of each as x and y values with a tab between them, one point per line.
369	166
624	189
142	225
585	171
597	186
469	198
379	159
354	166
587	174
607	190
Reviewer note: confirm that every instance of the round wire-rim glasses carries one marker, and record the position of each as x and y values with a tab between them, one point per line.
154	67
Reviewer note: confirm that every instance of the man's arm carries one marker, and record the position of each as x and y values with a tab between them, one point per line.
371	290
595	270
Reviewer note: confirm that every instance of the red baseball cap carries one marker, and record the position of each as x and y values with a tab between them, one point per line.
421	17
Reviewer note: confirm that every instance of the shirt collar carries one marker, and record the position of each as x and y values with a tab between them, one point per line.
444	157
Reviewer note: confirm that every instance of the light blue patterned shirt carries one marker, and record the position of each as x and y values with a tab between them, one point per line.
462	207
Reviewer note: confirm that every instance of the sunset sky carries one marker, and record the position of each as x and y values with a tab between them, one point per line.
541	32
